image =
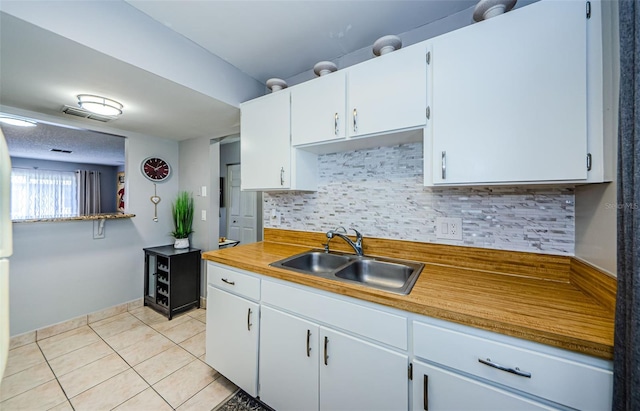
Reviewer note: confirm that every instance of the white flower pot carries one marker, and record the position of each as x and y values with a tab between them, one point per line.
181	243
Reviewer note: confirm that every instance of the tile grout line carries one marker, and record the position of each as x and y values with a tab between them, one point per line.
55	377
130	367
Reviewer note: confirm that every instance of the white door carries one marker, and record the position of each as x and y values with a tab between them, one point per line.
359	376
242	214
288	361
232	338
436	389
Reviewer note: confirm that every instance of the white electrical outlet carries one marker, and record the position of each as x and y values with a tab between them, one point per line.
203	217
449	228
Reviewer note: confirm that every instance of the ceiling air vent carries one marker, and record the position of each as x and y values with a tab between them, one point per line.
78	112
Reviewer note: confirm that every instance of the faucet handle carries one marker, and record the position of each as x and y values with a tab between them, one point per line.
358	235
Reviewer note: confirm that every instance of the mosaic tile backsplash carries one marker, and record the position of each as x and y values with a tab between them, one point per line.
380	192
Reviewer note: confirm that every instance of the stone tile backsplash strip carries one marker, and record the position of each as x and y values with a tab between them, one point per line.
380	192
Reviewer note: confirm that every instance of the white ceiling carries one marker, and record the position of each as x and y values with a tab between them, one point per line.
283	38
42	71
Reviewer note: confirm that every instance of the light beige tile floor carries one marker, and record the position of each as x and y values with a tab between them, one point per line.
135	360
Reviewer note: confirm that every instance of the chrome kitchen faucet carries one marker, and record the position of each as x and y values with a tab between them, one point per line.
357	246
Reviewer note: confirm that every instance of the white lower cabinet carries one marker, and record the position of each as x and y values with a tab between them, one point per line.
358	375
556	377
322	351
437	389
306	366
288	361
232	338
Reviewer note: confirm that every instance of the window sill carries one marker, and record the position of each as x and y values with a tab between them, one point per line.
105	216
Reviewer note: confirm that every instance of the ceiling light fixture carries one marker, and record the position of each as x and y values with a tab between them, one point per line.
20	122
99	105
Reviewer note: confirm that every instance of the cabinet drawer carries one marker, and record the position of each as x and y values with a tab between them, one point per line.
559	379
375	324
233	281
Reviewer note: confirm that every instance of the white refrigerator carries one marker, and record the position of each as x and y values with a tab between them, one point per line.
6	249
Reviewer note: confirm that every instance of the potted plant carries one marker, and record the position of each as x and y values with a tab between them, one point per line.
182	212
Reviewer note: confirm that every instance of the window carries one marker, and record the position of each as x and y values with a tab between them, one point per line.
43	194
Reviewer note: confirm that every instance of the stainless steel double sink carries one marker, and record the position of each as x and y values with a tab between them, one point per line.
392	275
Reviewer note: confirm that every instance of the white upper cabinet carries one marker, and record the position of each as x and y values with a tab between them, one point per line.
268	162
509	99
318	109
383	95
388	93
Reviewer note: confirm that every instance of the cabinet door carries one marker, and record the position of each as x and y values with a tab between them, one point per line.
436	389
265	142
288	361
509	98
357	375
318	109
388	93
232	338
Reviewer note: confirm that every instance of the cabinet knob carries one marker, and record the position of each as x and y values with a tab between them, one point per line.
444	165
335	124
281	176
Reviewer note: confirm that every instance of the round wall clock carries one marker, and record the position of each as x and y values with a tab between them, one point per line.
155	169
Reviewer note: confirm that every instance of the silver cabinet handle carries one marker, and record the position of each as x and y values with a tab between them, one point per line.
425	393
515	371
228	282
335	124
249	319
326	356
444	165
355	120
281	176
308	346
428	113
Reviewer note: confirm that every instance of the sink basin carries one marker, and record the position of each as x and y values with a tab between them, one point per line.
314	262
396	276
376	273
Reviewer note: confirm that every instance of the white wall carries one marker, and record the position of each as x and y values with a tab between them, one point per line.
596	205
198	169
58	271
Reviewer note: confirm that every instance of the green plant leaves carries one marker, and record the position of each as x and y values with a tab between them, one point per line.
182	212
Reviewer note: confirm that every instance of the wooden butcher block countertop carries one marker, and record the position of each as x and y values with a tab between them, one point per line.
554	300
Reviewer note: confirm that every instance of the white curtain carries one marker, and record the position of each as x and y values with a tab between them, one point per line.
39	193
88	192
